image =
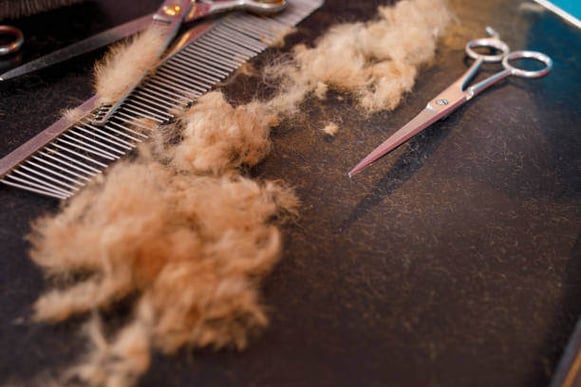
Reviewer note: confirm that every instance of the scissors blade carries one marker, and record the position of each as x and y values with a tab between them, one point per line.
169	18
420	122
87	45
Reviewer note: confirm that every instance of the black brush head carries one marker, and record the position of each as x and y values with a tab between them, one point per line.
11	9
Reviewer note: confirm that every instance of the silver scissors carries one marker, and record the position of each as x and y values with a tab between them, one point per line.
184	12
15	42
171	16
458	93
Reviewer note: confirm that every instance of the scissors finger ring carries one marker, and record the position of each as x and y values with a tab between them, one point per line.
505	56
15	43
538	56
493	43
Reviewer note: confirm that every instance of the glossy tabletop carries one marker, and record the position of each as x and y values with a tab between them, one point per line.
454	261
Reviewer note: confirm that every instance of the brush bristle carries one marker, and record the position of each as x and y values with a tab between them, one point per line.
11	9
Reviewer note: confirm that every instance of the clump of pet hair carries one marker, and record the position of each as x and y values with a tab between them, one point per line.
127	62
10	9
376	61
193	248
189	241
331	129
73	115
219	137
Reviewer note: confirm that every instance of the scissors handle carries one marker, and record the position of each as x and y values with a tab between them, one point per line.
16	41
503	55
493	43
520	72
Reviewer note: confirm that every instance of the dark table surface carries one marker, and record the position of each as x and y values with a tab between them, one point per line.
455	261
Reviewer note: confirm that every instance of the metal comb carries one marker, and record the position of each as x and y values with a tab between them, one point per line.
63	158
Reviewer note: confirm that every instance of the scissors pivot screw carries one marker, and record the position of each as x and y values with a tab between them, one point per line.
172	10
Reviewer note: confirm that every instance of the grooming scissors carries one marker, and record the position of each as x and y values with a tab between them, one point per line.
195	10
459	92
171	16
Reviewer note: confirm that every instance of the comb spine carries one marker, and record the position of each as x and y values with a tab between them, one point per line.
23	152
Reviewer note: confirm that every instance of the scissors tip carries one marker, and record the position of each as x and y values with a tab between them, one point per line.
358	168
6	76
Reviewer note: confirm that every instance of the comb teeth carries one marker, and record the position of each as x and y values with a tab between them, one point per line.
59	163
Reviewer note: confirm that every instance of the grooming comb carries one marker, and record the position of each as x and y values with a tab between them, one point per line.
63	158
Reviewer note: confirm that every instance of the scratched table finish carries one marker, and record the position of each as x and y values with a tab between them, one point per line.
455	261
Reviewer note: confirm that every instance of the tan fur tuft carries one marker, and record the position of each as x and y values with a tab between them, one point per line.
192	247
73	115
376	61
126	63
219	137
331	129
